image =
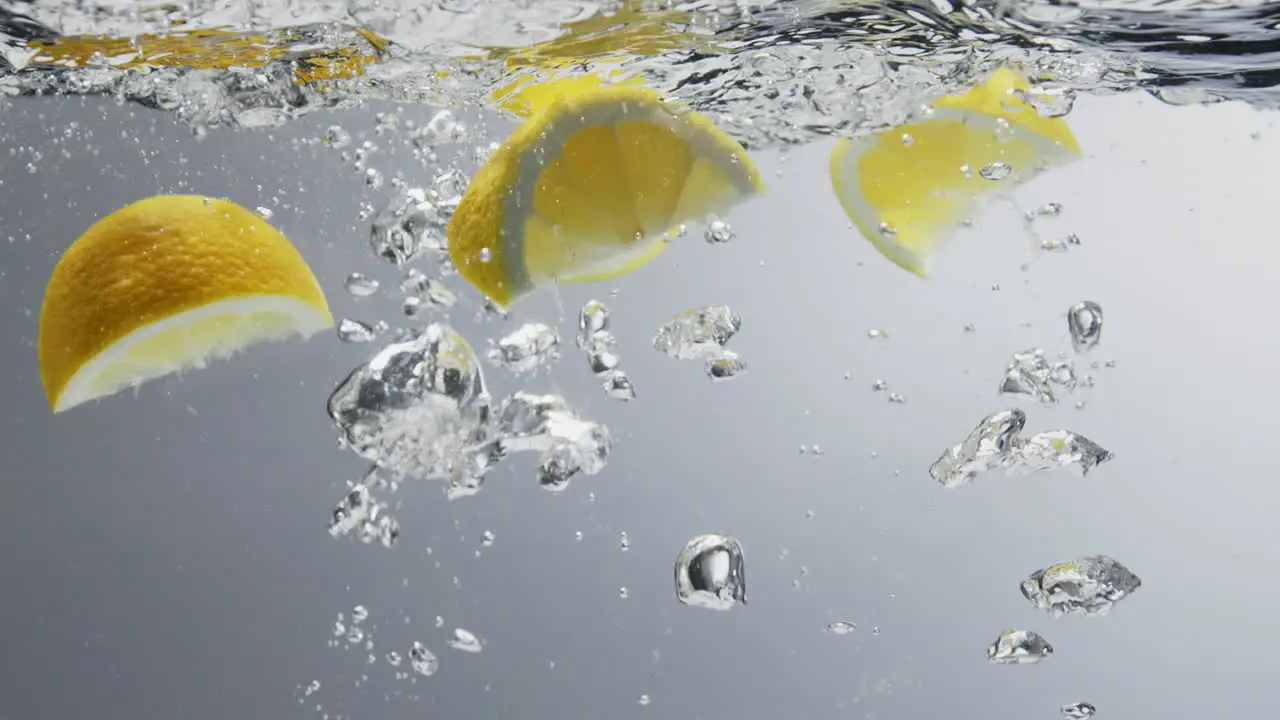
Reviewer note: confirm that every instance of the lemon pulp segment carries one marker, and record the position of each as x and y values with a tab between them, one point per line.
588	188
162	285
905	189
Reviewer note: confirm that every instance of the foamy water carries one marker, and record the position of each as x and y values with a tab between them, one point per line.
769	72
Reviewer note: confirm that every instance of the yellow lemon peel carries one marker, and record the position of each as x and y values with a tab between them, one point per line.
161	285
907	188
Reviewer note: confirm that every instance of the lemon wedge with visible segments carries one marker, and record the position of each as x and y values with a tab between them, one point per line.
905	189
164	285
589	187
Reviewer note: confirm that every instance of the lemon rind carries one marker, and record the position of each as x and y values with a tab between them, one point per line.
307	321
844	175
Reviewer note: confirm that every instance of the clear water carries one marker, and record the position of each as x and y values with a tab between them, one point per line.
768	72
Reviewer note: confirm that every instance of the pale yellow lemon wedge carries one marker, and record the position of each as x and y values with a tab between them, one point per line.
589	187
906	189
163	285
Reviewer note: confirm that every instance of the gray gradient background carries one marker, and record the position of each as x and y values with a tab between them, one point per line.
165	556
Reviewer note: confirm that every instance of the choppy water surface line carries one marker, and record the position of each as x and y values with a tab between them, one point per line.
770	73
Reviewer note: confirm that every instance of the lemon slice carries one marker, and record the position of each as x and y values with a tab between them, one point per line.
906	189
588	189
166	284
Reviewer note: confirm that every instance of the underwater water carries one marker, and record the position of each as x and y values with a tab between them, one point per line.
770	471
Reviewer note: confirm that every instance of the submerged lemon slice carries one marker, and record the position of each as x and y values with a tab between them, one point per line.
905	189
588	188
163	285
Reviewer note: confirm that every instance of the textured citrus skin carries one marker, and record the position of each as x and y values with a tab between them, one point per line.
154	259
473	229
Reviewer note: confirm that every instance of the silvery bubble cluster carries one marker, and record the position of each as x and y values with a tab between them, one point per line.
600	346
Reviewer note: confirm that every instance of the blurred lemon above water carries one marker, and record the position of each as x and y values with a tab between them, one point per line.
163	285
907	188
589	53
589	187
350	51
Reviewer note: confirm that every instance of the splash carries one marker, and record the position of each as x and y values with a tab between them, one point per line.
787	72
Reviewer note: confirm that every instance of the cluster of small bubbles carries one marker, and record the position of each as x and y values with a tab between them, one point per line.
360	156
812	450
644	700
387	122
486	538
367	516
598	343
624	542
527	348
996	171
407	225
703	333
1031	373
995	442
373	178
719	231
1004	130
442	128
447	189
896	398
1050	102
1091	585
482	152
422	292
568	445
879	386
